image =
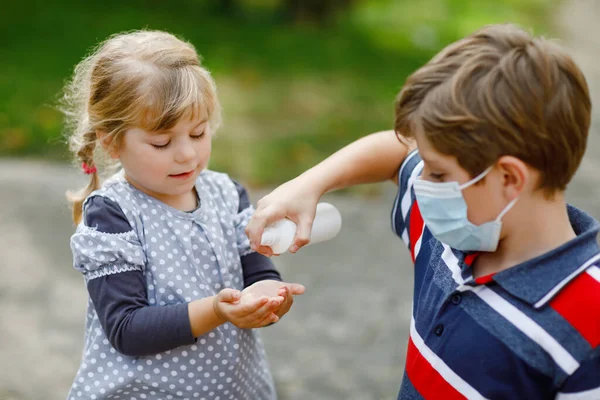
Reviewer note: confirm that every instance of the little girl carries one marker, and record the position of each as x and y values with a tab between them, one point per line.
174	288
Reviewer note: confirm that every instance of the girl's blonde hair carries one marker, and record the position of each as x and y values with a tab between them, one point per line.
147	79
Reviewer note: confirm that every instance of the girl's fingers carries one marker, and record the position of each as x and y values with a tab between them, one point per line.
262	312
229	295
250	305
295	288
271	318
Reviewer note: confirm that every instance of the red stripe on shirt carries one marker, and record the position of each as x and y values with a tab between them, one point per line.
415	227
579	303
482	280
469	258
425	379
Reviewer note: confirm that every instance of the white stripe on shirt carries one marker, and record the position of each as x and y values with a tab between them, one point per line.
513	315
594	272
568	279
418	243
529	327
407	198
592	394
440	366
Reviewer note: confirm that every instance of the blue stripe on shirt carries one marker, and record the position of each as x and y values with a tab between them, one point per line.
587	376
408	391
399	225
553	323
514	338
432	300
497	368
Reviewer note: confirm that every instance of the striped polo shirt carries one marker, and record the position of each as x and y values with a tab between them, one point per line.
528	332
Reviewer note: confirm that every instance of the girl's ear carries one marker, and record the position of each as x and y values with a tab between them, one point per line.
107	144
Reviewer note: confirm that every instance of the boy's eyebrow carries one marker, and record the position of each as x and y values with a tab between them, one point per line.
427	160
167	131
432	163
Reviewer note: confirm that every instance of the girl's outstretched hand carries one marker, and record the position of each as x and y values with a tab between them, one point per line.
272	288
246	310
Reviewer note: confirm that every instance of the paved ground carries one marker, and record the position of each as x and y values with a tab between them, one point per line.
345	339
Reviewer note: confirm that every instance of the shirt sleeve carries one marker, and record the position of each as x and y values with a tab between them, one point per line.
132	326
255	266
102	245
406	218
584	383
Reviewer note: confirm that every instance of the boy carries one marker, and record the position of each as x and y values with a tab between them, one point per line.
507	287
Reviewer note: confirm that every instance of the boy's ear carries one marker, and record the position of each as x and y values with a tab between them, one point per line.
516	175
107	143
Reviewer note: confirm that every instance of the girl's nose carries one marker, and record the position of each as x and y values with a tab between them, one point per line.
185	152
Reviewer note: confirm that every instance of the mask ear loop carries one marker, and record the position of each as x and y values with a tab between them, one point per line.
507	208
476	179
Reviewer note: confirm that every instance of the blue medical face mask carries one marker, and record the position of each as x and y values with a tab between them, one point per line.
444	212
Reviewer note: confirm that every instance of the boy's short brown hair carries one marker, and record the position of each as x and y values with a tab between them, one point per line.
498	92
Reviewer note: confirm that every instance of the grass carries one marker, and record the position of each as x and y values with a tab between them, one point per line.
292	94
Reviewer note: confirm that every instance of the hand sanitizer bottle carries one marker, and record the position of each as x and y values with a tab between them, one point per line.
279	236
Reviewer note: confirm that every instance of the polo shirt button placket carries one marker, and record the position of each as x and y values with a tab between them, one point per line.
439	330
456	298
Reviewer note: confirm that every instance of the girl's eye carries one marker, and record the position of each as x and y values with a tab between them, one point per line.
161	146
197	136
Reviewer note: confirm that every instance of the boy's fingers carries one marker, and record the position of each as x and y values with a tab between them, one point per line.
265	251
261	218
302	234
229	295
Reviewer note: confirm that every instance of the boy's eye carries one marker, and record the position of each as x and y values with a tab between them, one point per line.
436	177
197	136
161	146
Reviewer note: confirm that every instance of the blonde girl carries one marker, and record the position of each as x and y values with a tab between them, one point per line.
174	288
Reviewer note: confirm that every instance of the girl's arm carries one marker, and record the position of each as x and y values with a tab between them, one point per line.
133	326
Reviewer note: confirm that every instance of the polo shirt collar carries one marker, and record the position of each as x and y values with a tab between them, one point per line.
538	280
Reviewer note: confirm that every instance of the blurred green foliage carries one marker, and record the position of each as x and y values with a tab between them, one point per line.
294	88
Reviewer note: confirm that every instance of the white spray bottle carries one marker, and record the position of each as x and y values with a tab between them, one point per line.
326	225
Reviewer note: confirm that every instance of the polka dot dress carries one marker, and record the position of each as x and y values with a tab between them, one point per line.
184	256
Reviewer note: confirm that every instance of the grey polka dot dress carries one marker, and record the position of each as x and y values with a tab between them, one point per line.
184	256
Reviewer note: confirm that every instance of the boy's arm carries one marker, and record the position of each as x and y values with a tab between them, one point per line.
373	158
